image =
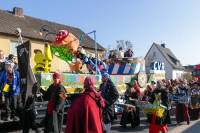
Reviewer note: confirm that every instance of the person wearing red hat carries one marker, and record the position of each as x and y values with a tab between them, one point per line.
56	95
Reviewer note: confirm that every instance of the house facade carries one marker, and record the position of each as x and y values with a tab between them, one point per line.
159	53
30	27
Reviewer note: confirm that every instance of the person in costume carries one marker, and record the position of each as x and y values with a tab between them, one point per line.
147	93
170	90
153	84
85	113
111	55
157	124
130	115
182	113
101	65
53	120
10	78
12	58
120	53
81	54
195	105
128	53
136	87
110	94
2	68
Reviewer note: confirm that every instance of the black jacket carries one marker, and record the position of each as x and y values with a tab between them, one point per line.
128	54
110	96
111	56
165	119
133	96
53	122
2	66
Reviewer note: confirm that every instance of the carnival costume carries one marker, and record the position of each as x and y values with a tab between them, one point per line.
157	124
85	113
110	94
12	80
194	109
130	115
182	113
56	96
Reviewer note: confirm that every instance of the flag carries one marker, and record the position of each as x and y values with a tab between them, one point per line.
27	78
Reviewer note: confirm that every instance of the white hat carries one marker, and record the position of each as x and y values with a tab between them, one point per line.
92	55
9	63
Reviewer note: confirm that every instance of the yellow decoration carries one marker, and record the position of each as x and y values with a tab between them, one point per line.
43	61
6	88
47	58
154	108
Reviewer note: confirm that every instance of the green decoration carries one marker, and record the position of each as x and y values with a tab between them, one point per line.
62	52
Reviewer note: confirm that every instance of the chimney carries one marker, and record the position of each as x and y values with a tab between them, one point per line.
18	11
163	45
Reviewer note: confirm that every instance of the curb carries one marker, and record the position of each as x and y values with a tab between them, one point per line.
183	127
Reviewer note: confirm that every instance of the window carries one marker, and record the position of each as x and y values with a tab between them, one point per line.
178	75
154	53
13	49
177	63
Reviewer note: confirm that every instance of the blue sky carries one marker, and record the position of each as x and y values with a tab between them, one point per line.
173	22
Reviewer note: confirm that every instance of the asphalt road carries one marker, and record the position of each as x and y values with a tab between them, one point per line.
143	128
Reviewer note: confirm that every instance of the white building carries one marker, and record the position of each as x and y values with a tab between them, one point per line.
159	53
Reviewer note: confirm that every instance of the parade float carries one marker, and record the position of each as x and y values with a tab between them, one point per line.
68	48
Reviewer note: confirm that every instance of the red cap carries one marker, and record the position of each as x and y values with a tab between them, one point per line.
56	75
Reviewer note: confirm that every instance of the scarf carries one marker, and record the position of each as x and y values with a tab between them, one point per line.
89	84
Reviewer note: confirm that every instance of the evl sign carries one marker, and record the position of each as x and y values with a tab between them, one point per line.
157	66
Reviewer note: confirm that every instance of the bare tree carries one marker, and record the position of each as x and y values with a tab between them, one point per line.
107	52
124	44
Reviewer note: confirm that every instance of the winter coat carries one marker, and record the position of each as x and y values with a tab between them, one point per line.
85	115
165	119
14	85
111	95
53	122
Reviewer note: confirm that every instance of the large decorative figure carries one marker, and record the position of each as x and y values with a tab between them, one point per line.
53	120
110	94
100	64
67	39
157	124
43	61
81	54
85	114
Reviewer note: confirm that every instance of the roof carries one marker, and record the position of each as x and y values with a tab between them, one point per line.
30	27
189	67
170	57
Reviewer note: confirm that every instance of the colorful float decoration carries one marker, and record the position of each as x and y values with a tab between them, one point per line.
155	108
65	46
43	60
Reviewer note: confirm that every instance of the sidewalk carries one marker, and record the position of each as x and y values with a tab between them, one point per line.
194	127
